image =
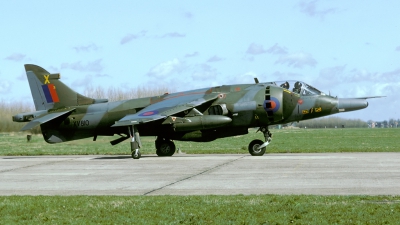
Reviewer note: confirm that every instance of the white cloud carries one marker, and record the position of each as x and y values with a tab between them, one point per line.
130	37
143	34
191	54
391	76
204	72
215	58
255	49
22	77
5	86
94	66
369	89
188	15
86	81
282	76
297	60
86	48
245	78
173	35
330	76
276	49
359	75
164	69
310	8
17	57
383	89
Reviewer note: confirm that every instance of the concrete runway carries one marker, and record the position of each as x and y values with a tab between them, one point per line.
181	174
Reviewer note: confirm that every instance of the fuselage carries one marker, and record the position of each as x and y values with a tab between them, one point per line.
247	105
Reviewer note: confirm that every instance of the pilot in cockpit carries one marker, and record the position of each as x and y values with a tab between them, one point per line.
285	85
297	87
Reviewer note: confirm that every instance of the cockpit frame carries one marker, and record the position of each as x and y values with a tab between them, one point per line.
299	87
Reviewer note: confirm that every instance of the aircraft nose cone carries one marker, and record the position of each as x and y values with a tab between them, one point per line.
351	104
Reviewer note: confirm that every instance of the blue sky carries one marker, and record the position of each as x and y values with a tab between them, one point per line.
350	48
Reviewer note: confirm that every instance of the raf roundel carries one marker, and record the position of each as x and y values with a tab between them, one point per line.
149	113
275	104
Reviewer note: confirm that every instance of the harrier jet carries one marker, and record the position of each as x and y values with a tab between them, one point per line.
200	115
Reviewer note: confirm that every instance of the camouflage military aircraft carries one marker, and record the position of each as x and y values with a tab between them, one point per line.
198	115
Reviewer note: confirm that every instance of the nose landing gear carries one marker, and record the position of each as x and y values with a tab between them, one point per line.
258	147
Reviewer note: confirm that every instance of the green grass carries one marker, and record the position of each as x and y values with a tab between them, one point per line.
238	209
284	141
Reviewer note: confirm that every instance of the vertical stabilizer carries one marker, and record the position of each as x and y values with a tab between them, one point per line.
49	92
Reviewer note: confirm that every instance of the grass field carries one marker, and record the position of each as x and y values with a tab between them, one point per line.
284	141
239	209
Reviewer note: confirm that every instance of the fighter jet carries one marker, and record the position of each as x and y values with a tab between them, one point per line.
200	115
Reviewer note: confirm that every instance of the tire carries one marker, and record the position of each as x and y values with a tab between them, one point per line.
166	148
253	148
136	156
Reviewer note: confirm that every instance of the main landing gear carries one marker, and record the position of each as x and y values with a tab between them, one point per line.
135	142
258	147
164	147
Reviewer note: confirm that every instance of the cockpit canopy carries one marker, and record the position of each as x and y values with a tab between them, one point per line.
299	87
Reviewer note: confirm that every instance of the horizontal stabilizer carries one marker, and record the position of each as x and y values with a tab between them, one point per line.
46	118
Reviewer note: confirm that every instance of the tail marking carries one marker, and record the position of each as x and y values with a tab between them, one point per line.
50	93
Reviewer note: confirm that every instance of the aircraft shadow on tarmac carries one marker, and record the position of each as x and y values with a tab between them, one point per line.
156	156
114	157
123	157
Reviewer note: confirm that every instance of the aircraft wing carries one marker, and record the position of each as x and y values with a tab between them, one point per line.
171	105
46	118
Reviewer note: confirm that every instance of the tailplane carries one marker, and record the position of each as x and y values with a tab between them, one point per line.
49	92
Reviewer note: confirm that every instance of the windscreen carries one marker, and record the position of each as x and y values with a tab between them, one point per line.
299	87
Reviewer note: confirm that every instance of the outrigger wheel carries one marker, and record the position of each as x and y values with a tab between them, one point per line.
258	147
135	142
136	154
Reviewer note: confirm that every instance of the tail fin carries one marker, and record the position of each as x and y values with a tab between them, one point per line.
49	92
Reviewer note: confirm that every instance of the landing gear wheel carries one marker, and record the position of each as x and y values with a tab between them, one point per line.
165	148
253	148
136	155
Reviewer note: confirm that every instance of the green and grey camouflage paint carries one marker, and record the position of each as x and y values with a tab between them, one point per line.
197	115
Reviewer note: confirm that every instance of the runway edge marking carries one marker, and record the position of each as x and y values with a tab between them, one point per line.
194	175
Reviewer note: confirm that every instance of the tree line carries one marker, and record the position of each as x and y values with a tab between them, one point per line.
333	122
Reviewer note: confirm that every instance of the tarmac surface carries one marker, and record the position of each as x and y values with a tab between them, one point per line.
181	174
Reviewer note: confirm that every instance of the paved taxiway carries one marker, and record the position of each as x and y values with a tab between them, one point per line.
325	174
